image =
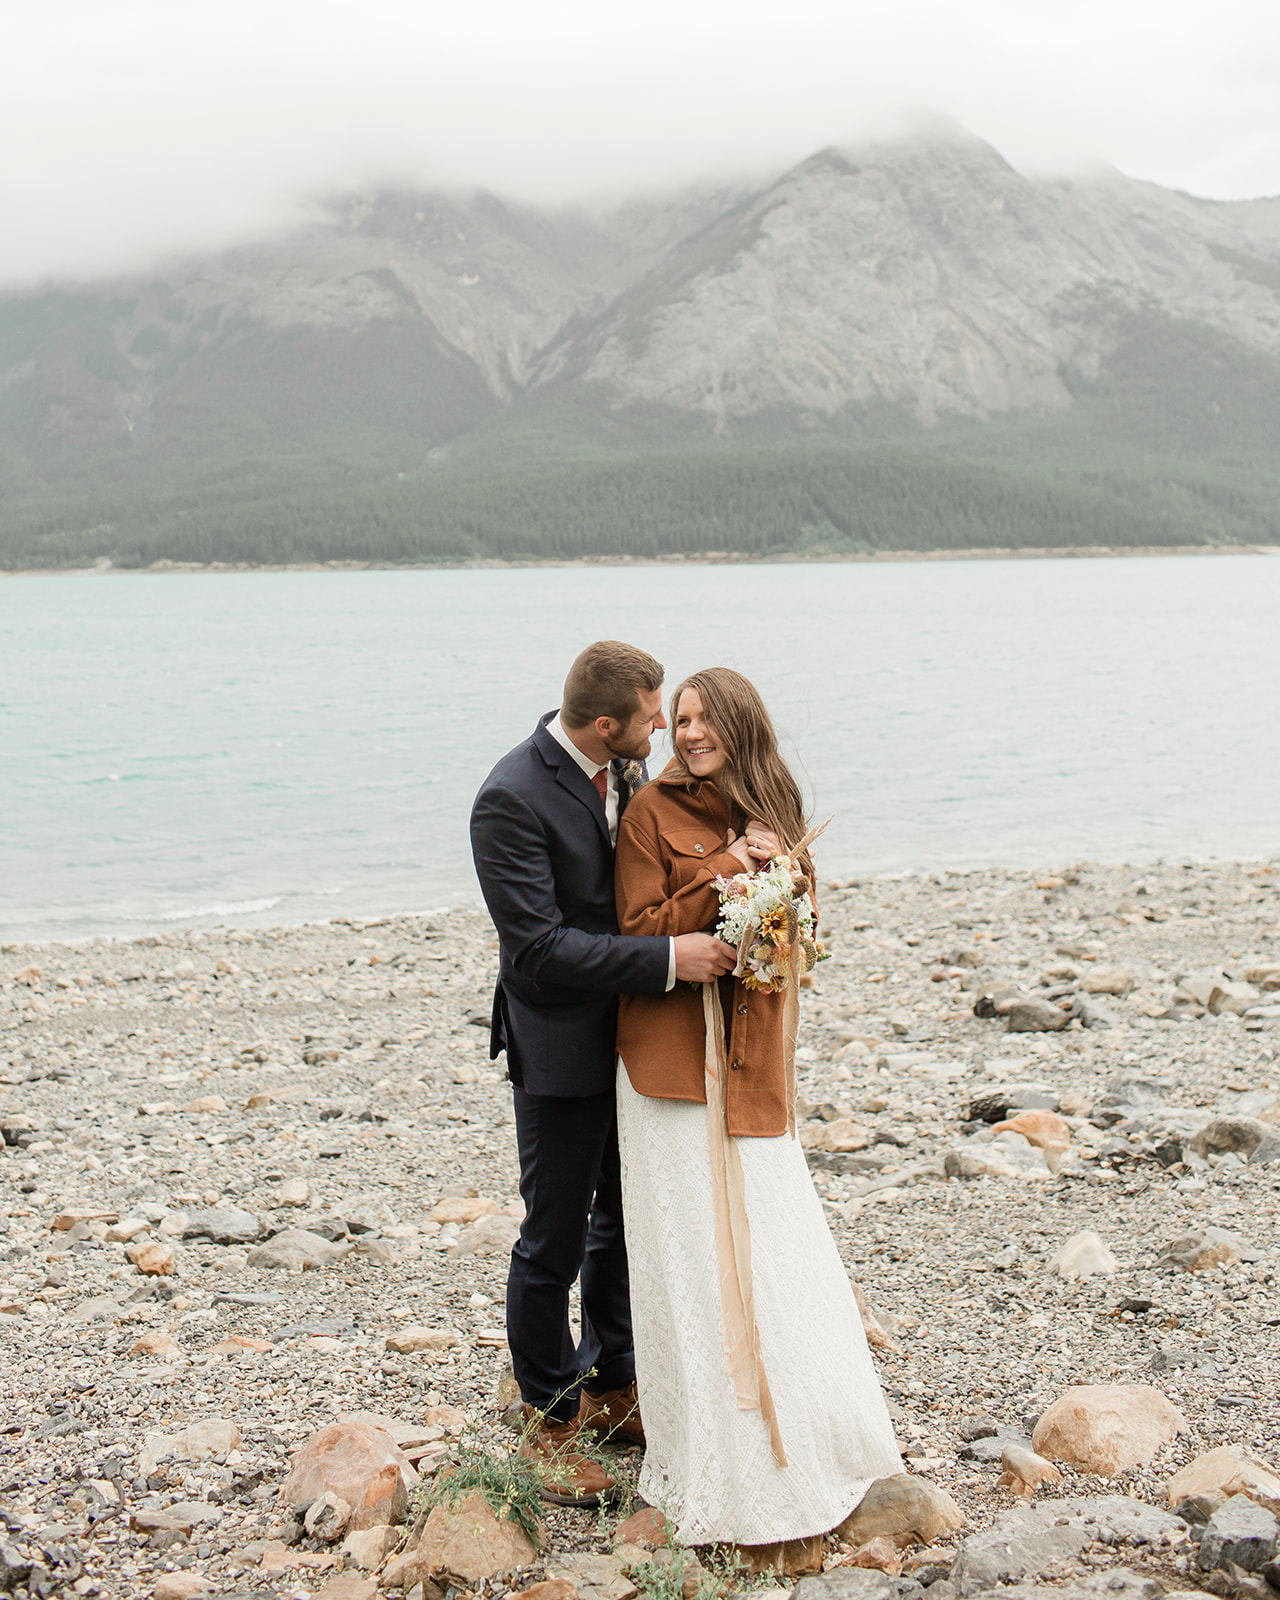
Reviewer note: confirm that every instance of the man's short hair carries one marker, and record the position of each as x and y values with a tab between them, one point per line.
605	681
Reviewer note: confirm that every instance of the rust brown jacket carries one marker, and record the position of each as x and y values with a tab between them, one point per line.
671	846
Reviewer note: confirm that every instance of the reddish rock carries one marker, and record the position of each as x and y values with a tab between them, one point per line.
470	1541
182	1586
463	1209
360	1465
367	1548
467	1541
1044	1129
903	1508
1230	1469
880	1555
408	1341
1107	1428
453	1419
1023	1471
154	1257
647	1528
347	1586
157	1344
550	1589
606	1577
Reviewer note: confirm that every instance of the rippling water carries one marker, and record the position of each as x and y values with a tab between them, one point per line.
275	747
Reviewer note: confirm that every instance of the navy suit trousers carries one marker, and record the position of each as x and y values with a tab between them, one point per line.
571	1184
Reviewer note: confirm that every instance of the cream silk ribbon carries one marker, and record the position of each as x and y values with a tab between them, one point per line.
742	1359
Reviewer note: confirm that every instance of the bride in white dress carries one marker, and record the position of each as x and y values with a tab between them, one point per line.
762	1412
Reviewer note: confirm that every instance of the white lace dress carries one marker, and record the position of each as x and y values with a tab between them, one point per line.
707	1464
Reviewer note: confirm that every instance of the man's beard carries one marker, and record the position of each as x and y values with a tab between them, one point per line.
624	746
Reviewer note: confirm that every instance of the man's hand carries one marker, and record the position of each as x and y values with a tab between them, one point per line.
701	958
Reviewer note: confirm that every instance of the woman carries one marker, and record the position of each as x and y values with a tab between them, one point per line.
749	1351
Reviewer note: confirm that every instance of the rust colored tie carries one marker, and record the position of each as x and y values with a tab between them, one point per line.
601	781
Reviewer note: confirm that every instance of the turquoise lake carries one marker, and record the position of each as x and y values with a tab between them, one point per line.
276	747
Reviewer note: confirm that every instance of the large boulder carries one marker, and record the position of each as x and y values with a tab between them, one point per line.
906	1509
1218	1474
1107	1428
1123	1519
1239	1533
1006	1155
1036	1016
1018	1544
1205	1248
222	1225
1108	980
358	1464
843	1136
995	1101
1114	1583
1257	1141
846	1583
296	1250
466	1542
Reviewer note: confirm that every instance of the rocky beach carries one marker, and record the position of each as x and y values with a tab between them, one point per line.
259	1187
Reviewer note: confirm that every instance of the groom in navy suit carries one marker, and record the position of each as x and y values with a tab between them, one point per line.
543	830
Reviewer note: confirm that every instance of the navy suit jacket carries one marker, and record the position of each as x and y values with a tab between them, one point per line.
545	863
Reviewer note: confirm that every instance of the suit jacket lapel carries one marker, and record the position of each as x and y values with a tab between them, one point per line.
570	776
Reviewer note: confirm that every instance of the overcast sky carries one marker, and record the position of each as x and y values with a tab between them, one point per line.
133	129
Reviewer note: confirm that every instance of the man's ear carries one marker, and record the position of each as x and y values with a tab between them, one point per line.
605	727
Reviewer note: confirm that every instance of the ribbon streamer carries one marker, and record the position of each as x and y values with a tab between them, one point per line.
742	1358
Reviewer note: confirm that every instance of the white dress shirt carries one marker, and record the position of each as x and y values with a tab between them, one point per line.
558	732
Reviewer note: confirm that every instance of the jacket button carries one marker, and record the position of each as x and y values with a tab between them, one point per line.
742	1009
735	1066
697	849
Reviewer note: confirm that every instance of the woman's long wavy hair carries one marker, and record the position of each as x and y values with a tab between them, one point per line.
755	780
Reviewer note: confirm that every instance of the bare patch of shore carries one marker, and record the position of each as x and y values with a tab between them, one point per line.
335	1077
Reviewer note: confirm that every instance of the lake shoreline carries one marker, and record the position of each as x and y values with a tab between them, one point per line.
701	558
355	924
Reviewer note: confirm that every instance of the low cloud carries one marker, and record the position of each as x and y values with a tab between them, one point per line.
136	130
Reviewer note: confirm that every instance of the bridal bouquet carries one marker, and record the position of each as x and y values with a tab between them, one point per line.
769	916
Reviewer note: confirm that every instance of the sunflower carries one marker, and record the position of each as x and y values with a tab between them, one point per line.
778	926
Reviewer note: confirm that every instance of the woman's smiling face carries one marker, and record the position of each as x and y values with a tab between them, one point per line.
695	739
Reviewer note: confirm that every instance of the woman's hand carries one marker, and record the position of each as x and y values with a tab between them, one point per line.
757	844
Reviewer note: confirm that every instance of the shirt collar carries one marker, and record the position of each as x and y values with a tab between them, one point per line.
557	731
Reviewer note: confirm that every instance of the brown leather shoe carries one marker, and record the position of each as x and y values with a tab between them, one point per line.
569	1478
614	1414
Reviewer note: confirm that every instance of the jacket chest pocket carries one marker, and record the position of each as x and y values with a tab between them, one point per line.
688	849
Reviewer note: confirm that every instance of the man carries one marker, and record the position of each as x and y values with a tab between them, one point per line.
543	830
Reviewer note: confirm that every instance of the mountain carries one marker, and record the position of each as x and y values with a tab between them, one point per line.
932	276
908	345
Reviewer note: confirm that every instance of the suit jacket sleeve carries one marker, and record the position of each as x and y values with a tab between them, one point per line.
513	865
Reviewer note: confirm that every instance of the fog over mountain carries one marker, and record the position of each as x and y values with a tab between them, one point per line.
408	348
